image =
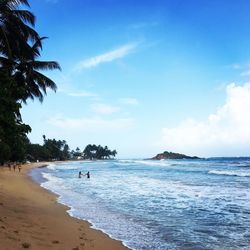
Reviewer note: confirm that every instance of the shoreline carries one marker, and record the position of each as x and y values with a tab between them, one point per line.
31	217
36	176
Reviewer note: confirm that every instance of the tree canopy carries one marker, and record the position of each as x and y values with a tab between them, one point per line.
98	152
53	149
12	131
21	79
20	47
20	76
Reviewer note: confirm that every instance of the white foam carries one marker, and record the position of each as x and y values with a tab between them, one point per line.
154	163
51	166
230	173
51	177
141	197
145	162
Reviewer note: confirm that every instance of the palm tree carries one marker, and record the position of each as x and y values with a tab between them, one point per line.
20	46
15	27
114	153
27	75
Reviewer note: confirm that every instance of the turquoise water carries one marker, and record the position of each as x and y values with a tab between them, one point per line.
169	204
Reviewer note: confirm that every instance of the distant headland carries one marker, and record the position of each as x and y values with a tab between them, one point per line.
171	155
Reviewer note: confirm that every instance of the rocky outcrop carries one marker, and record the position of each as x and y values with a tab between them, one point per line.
171	155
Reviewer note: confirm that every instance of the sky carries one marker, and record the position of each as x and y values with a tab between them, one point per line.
146	76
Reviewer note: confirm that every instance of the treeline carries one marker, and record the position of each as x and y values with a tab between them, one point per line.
51	150
20	80
58	150
98	152
20	76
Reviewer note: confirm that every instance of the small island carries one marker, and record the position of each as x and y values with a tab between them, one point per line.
171	155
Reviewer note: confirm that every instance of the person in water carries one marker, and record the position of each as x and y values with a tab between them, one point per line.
88	175
80	174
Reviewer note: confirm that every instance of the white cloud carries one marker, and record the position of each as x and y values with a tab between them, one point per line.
76	93
129	101
235	66
91	124
245	73
226	132
106	57
82	94
243	67
101	108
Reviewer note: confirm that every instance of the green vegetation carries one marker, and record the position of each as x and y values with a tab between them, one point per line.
98	152
53	149
20	76
12	131
171	155
21	79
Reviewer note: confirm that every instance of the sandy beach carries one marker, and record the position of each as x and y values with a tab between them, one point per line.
31	218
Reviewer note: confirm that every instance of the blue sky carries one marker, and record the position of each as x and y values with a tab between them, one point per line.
146	76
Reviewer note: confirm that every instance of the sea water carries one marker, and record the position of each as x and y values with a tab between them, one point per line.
168	204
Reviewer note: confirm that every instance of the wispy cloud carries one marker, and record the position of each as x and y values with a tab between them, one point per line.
105	109
245	73
77	93
235	66
82	94
243	67
129	101
92	124
106	57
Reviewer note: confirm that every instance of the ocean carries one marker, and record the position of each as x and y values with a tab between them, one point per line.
153	205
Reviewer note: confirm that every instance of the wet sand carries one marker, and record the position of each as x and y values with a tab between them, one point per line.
31	218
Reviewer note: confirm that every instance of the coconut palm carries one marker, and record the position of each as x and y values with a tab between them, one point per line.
16	27
20	76
27	75
20	47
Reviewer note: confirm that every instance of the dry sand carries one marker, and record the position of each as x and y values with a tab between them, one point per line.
31	218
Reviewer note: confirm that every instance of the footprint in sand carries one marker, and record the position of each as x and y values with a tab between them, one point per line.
26	245
11	237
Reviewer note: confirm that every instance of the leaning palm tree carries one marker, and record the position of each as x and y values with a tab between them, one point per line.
16	27
27	73
20	47
20	76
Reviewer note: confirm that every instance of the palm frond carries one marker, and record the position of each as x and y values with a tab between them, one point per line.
26	16
20	46
14	3
37	46
45	65
44	82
